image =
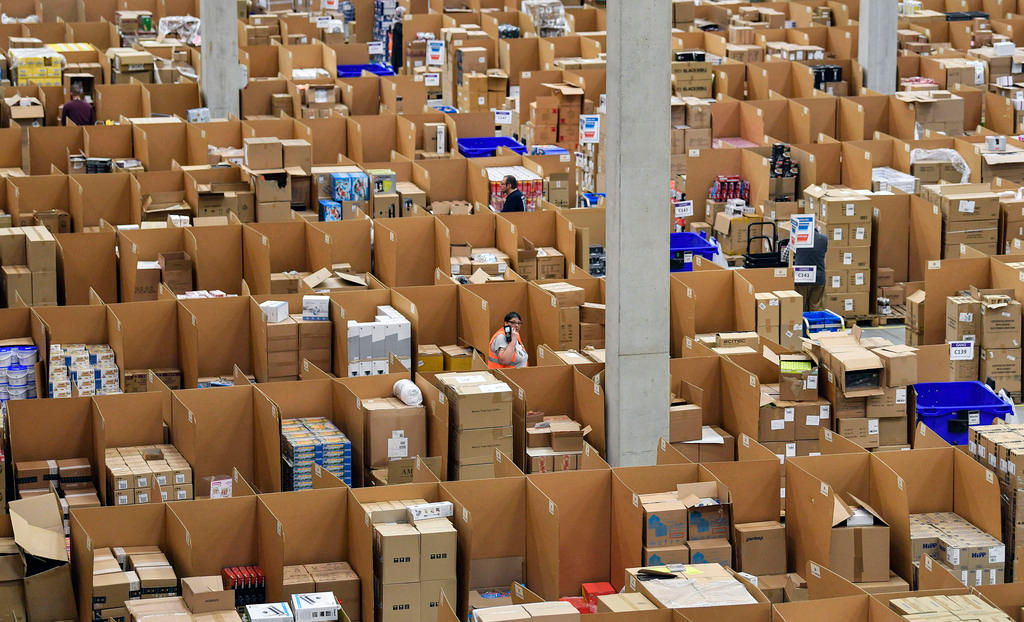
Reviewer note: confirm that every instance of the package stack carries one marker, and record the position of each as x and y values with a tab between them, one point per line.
134	26
952	608
317	102
1000	447
134	474
471	78
129	573
986	325
79	370
414	557
783	179
136	380
282	338
915	318
936	110
866	385
555	117
972	555
779	317
688	525
887	290
569	298
970	216
384	201
41	66
844	217
28	256
682	14
691	130
371	343
480	91
553	443
127	64
590	163
309	441
392	430
592	316
18	371
556	190
271	183
691	74
481	421
39	477
349	186
335	577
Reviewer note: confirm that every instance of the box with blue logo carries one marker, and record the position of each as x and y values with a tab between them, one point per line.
708	509
350	186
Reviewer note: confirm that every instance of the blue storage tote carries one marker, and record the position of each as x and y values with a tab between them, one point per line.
487	146
683	246
822	321
355	71
949	408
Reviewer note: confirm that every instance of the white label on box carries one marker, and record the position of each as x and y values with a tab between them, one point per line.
901	395
375	48
953	555
811	382
997	554
590	128
966	317
1002	465
848	304
837	281
122	484
981	452
849	209
435	52
812	420
503	117
805	275
847	258
684	209
859	233
782	492
824	410
858	278
966	207
778	424
872	426
788	414
837	234
790	450
961	351
974	418
992	463
432	79
398	446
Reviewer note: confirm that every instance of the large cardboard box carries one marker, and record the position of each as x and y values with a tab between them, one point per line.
397	553
760	548
859	554
393	430
478	400
39	533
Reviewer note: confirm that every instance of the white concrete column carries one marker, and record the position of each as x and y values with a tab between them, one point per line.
221	74
876	46
637	139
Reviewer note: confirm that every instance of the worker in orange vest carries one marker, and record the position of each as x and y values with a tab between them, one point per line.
501	356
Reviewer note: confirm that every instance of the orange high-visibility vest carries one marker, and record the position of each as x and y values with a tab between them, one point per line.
492	359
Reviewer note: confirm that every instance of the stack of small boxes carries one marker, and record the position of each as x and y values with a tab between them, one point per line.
481	421
782	188
974	556
370	343
18	365
691	73
969	217
386	203
1000	447
335	577
350	187
569	298
309	441
271	183
592	325
844	217
691	129
318	101
29	259
129	573
414	545
135	473
990	321
952	608
71	478
780	317
82	370
553	443
688	525
430	357
36	65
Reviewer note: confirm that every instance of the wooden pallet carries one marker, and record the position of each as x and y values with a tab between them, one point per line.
898	316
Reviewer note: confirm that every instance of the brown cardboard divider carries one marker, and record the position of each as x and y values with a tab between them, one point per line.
407	250
668	455
87	261
568	531
410	130
823	583
127	420
433	311
540	228
173	99
79	324
587	226
563	390
945	278
144	335
345	241
841	609
146	183
50	145
702	371
830	443
932	575
442	180
329	139
280	128
113	101
309	522
94	197
360	538
31	426
207	535
158	145
216	256
932	480
107	141
214	337
144	245
860	116
926	438
490	516
358	305
372	138
96	528
1007	596
201	421
37	193
275	247
482	310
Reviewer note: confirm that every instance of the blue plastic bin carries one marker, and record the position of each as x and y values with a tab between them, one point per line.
949	408
683	246
443	108
487	146
355	71
819	321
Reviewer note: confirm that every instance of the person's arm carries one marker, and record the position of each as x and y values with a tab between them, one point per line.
507	354
92	114
64	115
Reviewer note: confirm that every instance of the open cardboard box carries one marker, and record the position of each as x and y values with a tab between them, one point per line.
39	534
127	420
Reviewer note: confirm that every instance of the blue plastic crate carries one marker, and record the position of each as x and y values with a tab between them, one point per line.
949	408
442	108
355	71
487	146
822	321
683	246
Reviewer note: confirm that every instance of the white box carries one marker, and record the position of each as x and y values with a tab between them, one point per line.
365	341
270	612
315	607
316	307
365	368
274	311
353	341
353	368
379	334
379	367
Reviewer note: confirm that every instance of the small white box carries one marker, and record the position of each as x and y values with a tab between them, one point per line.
315	607
270	612
1004	48
379	367
353	341
316	308
275	311
365	368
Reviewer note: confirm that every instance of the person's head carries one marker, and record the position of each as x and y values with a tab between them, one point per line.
514	320
510	184
76	90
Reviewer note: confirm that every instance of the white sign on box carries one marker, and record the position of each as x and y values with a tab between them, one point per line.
590	128
805	275
961	350
435	52
802	230
503	117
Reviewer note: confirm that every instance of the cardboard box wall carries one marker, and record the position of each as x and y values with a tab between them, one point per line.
407	250
87	261
541	229
273	247
144	335
78	324
128	420
482	310
433	311
215	336
202	418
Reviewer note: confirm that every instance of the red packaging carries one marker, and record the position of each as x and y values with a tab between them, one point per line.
592	590
580	604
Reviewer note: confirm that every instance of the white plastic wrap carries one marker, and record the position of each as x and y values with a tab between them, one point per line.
18	55
548	16
943	155
184	27
408	392
680	593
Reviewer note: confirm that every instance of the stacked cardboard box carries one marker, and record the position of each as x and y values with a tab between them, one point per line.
129	574
714	445
481	421
68	476
592	316
953	608
135	475
970	216
845	218
80	370
976	557
318	101
1000	447
282	338
127	64
936	110
555	116
691	74
685	414
688	525
691	129
414	559
392	430
41	66
915	318
371	343
28	256
553	443
309	441
569	299
335	577
986	327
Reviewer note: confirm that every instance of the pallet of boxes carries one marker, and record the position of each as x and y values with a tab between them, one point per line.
147	474
866	381
414	546
481	421
984	328
1000	447
970	216
844	217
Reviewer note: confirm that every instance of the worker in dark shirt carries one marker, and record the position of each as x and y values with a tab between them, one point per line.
77	109
514	199
813	293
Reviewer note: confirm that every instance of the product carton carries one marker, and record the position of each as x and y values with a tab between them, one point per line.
858	372
760	548
858	553
397	552
709	507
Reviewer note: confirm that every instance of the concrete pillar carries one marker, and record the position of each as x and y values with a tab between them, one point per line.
221	75
876	46
637	139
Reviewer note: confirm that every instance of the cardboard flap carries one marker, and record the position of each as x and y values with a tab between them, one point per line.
995	159
870	510
840	511
39	528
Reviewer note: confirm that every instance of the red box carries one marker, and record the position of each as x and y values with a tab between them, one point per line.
592	590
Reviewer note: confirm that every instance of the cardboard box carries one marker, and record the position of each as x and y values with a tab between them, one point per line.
263	153
684	422
963	318
760	548
393	430
711	551
438	543
1000	322
660	556
478	400
710	520
859	554
664	524
206	594
397	551
899	365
